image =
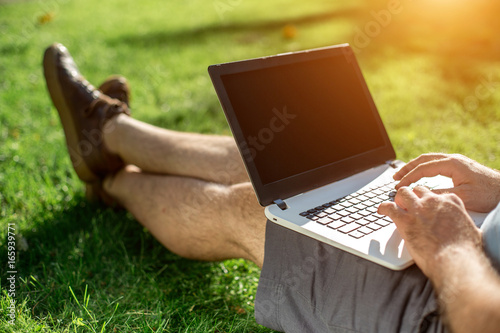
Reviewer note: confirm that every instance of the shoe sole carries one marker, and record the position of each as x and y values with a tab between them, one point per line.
68	122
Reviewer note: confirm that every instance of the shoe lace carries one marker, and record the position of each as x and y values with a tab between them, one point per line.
109	107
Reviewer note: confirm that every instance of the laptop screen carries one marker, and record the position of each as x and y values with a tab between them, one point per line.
301	114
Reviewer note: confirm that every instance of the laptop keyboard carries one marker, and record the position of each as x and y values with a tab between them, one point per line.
355	214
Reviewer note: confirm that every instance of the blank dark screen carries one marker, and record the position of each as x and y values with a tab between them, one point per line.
302	116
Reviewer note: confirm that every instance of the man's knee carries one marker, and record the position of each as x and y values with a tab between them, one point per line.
248	221
243	202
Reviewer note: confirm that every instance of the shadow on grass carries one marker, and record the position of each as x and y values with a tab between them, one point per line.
87	246
193	36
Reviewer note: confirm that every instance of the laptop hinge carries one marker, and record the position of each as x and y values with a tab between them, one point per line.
281	204
391	163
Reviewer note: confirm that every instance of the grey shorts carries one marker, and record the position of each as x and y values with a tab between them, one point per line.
308	286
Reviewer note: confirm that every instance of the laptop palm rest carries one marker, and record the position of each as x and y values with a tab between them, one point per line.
388	247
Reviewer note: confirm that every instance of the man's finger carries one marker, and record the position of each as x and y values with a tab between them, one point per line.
398	215
420	191
391	209
406	198
415	162
442	167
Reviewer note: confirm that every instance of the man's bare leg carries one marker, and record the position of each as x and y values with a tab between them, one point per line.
194	218
156	150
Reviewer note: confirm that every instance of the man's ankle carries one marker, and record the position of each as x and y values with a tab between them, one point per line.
111	133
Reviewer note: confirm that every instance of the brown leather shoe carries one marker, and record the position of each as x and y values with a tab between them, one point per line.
117	87
84	111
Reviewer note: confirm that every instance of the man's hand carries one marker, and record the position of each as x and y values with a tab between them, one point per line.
431	223
447	246
478	186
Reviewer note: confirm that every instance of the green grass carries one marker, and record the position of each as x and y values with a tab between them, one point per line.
433	69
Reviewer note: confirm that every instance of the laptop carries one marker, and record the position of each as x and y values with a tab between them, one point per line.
315	148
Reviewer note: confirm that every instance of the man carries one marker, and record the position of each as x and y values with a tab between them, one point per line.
192	192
